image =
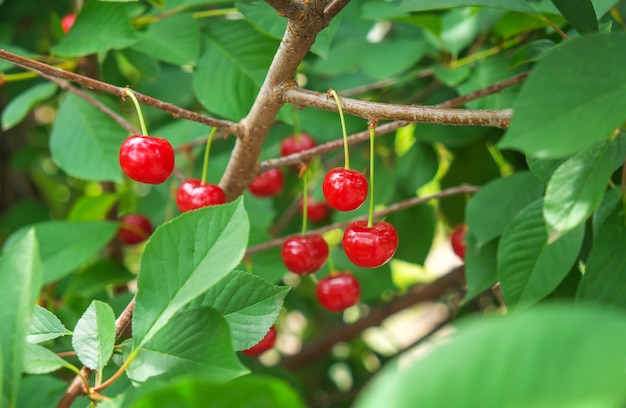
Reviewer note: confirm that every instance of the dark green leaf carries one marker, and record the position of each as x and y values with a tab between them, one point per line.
88	208
531	52
44	326
18	107
174	39
93	280
94	335
40	360
416	167
422	5
543	168
481	265
38	391
416	230
403	52
579	13
606	207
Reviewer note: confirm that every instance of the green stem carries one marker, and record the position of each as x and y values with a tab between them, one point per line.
305	198
343	128
118	373
295	114
142	122
331	263
205	165
370	216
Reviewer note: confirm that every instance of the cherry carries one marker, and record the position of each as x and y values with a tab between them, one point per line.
457	240
265	344
192	194
267	184
147	159
315	211
67	22
134	228
344	189
338	291
304	254
370	247
296	144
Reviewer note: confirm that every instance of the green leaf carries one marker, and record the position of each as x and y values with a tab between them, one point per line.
529	267
183	259
20	280
543	168
416	229
249	304
532	52
85	142
195	342
174	39
481	265
45	326
65	245
18	107
40	360
603	280
93	280
568	103
232	68
577	186
416	167
38	391
94	335
494	206
109	20
579	13
404	52
423	5
605	208
547	356
88	208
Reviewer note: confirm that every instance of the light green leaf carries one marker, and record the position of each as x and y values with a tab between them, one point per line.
547	356
20	280
528	267
521	6
195	342
249	304
45	326
18	107
40	360
109	21
481	265
570	103
90	208
404	52
174	39
94	279
183	259
85	142
579	13
495	205
65	245
94	335
543	168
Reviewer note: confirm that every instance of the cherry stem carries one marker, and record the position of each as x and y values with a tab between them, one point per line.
343	128
305	199
295	114
331	263
142	122
371	124
118	373
205	165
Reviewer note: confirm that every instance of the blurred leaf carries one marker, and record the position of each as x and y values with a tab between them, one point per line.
94	335
531	52
606	207
183	259
88	208
415	168
416	230
529	267
374	282
450	136
481	265
569	103
18	107
38	391
422	5
175	39
529	359
403	52
40	360
136	65
579	13
94	279
543	168
85	142
44	326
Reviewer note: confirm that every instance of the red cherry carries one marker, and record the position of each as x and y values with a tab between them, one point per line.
370	247
304	254
192	194
338	291
67	22
147	159
457	240
265	344
133	229
296	144
267	184
344	189
315	211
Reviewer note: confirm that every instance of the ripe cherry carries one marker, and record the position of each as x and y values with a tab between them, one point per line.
147	159
304	254
457	240
265	344
296	144
315	211
133	229
370	247
344	189
192	194
267	184
338	291
67	22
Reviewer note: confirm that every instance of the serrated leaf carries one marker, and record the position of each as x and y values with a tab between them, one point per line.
111	23
196	342
481	265
423	5
85	142
577	186
94	335
529	267
65	245
45	326
494	206
175	39
40	360
580	13
18	107
546	356
249	304
183	259
20	280
568	104
232	68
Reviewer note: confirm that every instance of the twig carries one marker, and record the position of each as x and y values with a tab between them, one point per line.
489	90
